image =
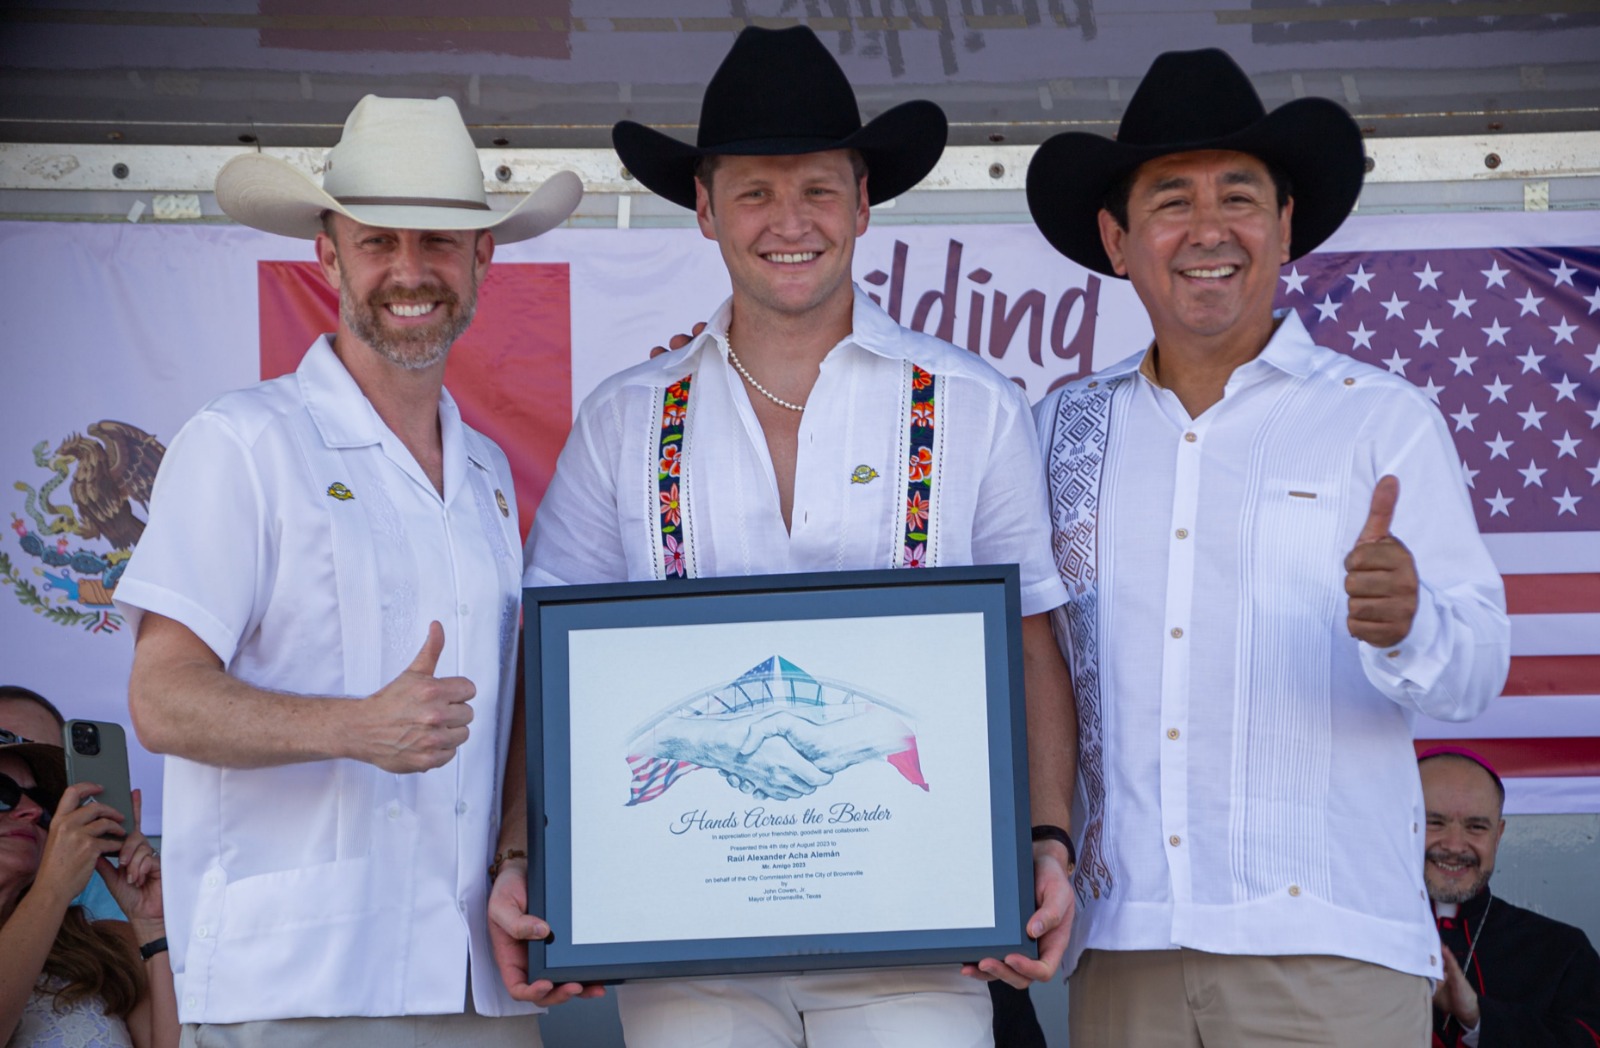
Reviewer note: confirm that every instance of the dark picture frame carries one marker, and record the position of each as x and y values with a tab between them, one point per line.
631	854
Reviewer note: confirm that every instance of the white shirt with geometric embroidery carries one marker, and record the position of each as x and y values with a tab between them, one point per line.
1247	782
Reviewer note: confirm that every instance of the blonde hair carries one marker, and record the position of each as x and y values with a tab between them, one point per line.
94	962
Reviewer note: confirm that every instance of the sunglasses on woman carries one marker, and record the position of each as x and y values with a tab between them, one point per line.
12	791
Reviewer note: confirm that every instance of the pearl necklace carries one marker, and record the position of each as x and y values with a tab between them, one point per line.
759	388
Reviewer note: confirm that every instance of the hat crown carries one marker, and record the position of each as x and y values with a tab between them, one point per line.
1190	96
777	84
417	148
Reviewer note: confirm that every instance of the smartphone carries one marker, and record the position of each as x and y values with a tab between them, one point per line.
97	752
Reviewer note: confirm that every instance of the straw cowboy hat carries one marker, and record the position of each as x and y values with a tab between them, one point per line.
1193	100
402	163
780	93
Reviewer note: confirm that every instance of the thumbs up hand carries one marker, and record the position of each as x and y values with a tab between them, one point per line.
416	721
1380	575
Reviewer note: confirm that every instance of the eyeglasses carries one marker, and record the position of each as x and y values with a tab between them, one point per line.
12	792
11	738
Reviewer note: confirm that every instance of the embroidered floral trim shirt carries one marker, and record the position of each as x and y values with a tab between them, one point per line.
602	518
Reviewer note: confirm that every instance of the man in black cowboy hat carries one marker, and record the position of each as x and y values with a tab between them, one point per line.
806	431
325	602
1249	639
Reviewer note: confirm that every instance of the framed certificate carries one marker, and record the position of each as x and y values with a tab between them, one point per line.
777	773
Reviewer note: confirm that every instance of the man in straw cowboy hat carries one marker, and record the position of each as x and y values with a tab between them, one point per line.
326	595
1250	640
804	430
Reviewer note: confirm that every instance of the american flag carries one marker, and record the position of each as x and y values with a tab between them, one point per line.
1506	341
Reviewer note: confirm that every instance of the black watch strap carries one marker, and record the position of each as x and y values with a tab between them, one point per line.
153	947
1056	833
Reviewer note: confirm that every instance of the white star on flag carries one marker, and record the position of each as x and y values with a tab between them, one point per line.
1429	277
1565	389
1530	361
1397	364
1469	474
1463	305
1566	444
1361	338
1594	301
1497	391
1563	331
1432	390
1499	447
1429	334
1498	504
1496	333
1567	501
1463	362
1593	359
1532	475
1593	471
1394	307
1495	276
1529	303
1360	278
1594	417
1532	417
1328	308
1294	281
1563	274
1463	418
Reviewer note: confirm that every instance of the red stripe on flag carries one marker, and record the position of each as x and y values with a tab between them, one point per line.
1531	758
1574	594
1553	675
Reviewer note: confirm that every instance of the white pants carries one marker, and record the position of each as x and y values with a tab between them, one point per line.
874	1008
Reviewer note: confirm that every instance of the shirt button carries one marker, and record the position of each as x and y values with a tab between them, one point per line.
394	812
1190	437
1174	840
1177	632
1413	827
1349	381
1172	733
1395	654
1294	889
1432	959
461	807
212	880
1182	533
465	609
201	932
191	1002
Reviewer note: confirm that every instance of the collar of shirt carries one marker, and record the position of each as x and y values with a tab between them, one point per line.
1289	350
871	329
345	418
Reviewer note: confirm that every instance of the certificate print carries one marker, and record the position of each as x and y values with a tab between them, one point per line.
774	732
801	778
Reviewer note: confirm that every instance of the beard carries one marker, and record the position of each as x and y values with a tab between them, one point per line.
412	348
1456	894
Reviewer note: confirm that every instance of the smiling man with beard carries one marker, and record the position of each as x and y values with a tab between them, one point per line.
325	601
1512	976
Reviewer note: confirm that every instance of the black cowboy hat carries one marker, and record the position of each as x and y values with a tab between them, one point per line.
780	93
1193	100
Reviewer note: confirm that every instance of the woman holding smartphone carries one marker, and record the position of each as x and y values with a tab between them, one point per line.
65	980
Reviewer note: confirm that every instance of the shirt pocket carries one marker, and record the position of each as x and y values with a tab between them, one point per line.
1295	560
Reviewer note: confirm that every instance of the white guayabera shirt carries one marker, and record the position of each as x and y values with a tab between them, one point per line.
1247	782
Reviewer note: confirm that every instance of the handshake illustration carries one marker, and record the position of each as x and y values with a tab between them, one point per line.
772	743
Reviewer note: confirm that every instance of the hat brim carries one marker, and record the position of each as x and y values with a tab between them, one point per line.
1313	140
269	194
900	147
49	764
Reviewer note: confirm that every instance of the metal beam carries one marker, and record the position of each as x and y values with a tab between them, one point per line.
193	169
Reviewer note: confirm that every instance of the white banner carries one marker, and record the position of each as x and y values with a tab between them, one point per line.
141	325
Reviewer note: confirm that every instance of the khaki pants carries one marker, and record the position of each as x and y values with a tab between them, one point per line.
879	1008
1189	999
400	1031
